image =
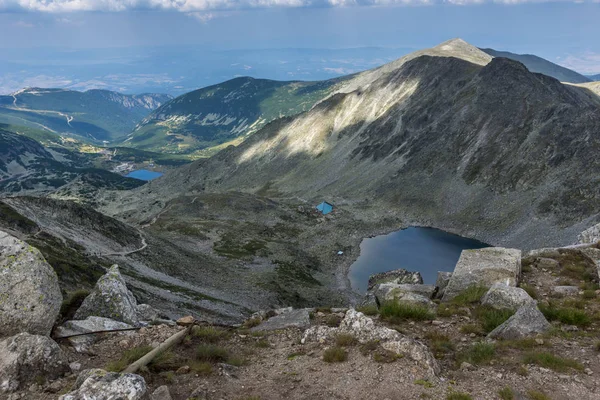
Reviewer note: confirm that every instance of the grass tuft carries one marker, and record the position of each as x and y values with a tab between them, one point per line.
345	340
211	353
369	310
471	295
397	312
566	315
335	355
479	353
209	334
458	396
440	344
491	318
506	393
128	357
550	361
537	395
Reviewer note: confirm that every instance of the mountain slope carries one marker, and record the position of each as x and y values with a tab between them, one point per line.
489	150
541	65
221	113
595	78
95	115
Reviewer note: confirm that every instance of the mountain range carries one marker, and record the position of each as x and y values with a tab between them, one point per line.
94	115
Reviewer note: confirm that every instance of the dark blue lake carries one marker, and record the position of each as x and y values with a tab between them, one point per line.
144	175
425	250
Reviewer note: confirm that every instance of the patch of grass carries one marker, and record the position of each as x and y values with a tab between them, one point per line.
396	312
506	393
369	347
527	343
478	353
440	344
550	361
448	309
201	367
384	356
71	304
522	370
471	295
236	361
491	318
333	321
262	344
324	310
471	328
335	355
574	303
128	357
531	290
589	294
537	395
252	322
296	354
575	265
423	383
458	396
345	340
369	310
211	353
209	334
568	316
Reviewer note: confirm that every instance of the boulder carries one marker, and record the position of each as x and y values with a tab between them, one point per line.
90	324
594	254
526	322
30	297
564	291
365	330
369	300
484	267
146	313
396	276
390	291
110	299
161	393
288	319
98	384
441	282
26	358
590	235
501	296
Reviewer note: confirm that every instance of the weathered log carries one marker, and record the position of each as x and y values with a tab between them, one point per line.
164	346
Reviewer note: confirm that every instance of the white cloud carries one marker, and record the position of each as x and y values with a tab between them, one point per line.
194	6
586	63
23	24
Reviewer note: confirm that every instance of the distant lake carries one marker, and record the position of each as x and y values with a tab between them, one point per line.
144	175
425	250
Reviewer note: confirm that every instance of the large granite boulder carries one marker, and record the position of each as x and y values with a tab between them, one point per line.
484	267
526	322
97	384
90	324
364	330
287	319
441	282
398	276
111	299
501	296
30	297
26	358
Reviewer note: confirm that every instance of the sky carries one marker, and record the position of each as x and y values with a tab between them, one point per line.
565	32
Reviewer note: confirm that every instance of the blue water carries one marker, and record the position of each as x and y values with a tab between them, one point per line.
425	250
144	175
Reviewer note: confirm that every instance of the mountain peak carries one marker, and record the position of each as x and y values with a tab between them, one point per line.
460	49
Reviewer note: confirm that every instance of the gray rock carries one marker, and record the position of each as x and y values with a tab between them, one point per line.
594	254
526	322
365	330
90	324
25	358
546	263
484	267
98	384
161	393
110	299
398	276
441	282
501	296
147	313
405	293
30	297
563	291
369	300
590	235
288	319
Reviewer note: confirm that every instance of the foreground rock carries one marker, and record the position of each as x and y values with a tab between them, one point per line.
111	299
98	384
286	319
528	321
484	267
30	297
441	282
90	324
398	276
26	358
501	296
405	293
365	330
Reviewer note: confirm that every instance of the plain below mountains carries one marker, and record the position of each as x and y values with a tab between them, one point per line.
94	115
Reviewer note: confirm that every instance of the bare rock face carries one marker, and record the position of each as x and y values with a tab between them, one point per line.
25	358
501	296
90	324
98	384
484	267
365	330
398	276
528	321
30	297
110	299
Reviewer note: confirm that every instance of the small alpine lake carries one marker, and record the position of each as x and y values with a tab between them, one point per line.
426	250
144	175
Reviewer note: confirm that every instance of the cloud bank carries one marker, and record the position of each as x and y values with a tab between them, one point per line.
190	6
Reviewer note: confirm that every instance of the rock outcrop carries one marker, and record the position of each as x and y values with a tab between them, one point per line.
398	276
441	282
90	324
287	319
405	293
484	267
26	358
111	299
30	297
98	384
526	322
501	296
365	330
